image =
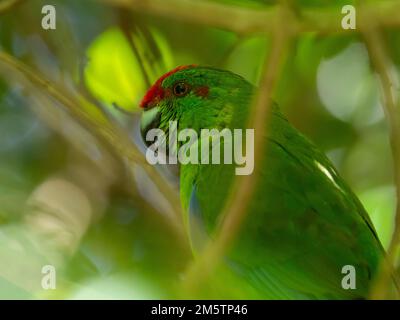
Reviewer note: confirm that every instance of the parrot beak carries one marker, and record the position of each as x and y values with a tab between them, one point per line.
150	120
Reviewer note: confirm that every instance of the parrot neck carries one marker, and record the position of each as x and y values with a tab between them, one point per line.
232	113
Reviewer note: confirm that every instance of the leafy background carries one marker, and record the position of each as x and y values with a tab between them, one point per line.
69	199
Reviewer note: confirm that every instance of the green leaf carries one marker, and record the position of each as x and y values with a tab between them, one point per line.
380	202
114	74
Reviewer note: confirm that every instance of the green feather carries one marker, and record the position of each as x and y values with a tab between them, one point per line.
304	223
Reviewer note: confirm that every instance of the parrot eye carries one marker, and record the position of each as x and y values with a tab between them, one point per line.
181	89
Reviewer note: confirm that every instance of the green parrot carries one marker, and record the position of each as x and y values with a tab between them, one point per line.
305	228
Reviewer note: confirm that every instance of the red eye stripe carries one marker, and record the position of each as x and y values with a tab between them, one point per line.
156	92
202	91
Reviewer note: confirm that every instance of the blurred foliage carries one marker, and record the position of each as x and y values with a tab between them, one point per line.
327	90
113	73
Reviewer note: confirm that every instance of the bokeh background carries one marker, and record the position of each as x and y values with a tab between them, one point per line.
68	199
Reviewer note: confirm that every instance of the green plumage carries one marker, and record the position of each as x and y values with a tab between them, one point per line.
304	223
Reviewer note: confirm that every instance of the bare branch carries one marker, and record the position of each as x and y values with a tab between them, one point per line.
247	21
381	63
98	124
6	5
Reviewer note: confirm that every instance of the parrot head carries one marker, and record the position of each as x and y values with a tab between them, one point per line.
195	97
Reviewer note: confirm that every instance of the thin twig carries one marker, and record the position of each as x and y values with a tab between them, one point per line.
98	124
237	204
6	5
247	21
126	27
381	63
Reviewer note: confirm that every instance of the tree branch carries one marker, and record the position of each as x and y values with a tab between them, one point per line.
92	118
6	5
381	63
248	21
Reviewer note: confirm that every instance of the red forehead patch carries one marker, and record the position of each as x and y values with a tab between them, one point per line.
156	92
